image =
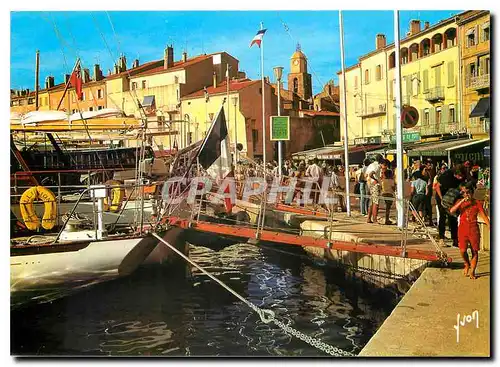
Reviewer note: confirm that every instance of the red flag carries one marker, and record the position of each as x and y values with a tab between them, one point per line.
75	81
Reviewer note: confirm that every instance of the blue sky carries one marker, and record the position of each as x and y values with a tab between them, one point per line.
62	36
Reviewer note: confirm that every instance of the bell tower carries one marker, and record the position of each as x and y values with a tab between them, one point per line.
299	80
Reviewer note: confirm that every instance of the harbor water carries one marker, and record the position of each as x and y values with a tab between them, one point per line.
180	312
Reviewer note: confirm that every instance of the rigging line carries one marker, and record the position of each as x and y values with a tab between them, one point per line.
134	97
79	56
287	30
69	91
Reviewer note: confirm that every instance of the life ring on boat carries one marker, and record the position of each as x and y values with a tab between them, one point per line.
114	194
28	210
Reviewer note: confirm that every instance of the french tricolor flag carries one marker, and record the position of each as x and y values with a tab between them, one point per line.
258	38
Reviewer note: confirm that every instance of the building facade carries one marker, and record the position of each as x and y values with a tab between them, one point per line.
474	35
430	82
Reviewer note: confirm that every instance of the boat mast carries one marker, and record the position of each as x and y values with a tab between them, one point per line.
344	115
399	129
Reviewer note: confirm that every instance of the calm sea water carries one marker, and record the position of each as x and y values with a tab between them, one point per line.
158	311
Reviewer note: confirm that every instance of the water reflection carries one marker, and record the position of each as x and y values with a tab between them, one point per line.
157	312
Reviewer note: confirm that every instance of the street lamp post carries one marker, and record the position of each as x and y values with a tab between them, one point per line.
278	72
235	102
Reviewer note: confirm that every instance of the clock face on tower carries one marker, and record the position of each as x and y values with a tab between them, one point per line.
296	62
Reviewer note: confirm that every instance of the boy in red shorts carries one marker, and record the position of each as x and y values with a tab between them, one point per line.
468	229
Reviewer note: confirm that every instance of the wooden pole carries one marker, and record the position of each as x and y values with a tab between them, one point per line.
37	73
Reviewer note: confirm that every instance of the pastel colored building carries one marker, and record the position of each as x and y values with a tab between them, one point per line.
430	82
474	35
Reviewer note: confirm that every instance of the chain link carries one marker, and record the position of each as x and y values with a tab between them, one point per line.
329	349
265	315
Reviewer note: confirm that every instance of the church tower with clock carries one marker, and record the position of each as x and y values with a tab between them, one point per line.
299	80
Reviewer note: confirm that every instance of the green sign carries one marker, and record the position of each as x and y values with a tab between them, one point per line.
407	137
280	128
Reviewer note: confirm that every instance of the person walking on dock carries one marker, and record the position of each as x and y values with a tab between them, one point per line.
429	172
388	189
450	179
418	194
315	173
468	229
363	188
373	174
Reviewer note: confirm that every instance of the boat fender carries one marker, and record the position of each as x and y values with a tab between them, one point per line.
114	195
28	210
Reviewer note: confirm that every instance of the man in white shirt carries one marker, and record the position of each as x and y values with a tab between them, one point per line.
314	170
373	178
315	173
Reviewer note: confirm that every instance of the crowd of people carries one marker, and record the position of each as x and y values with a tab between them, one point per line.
439	194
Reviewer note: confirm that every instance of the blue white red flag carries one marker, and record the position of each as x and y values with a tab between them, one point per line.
258	38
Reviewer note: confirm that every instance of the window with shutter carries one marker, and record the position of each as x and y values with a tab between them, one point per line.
451	73
426	81
432	116
415	83
426	118
437	76
451	114
444	115
408	86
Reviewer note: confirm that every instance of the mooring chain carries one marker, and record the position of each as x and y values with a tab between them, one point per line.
265	315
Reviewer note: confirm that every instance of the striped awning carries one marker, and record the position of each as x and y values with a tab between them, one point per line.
436	149
333	152
482	108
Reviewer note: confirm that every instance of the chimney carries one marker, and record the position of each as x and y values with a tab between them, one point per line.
122	64
135	64
97	73
168	58
380	41
414	26
116	69
86	75
242	75
49	82
266	80
214	78
184	56
426	25
66	78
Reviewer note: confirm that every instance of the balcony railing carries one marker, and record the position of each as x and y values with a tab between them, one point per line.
373	110
434	94
436	129
478	82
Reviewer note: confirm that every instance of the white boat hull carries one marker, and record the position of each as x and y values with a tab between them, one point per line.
46	276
